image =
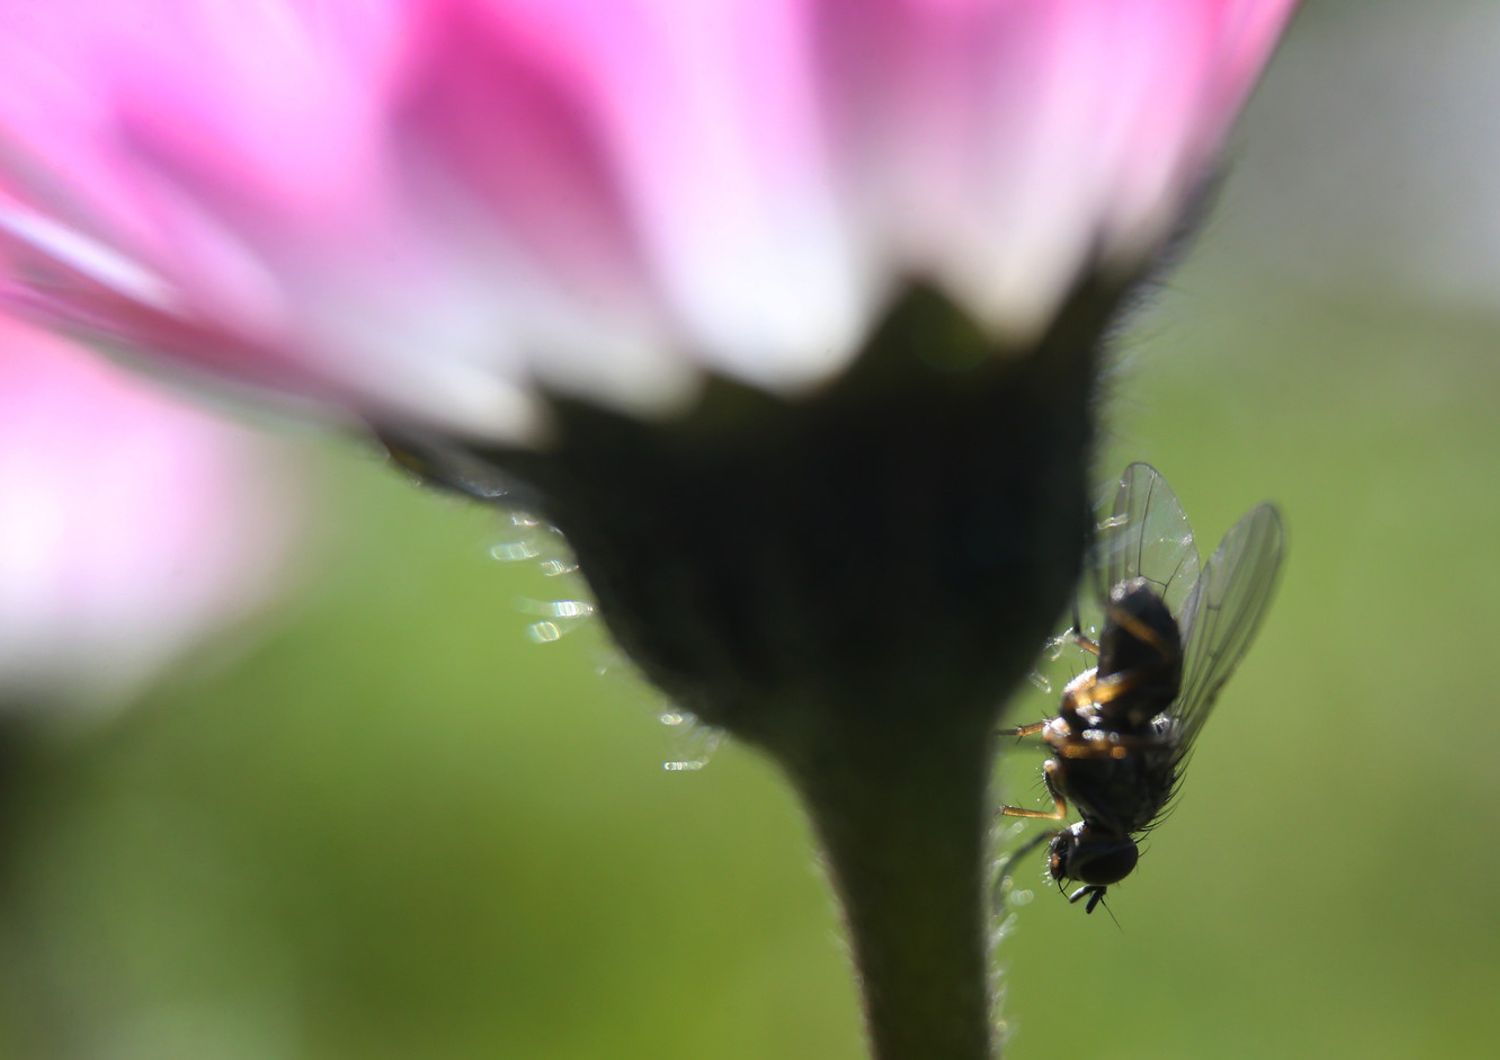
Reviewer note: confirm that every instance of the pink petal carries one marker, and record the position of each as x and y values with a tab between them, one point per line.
423	210
999	144
130	525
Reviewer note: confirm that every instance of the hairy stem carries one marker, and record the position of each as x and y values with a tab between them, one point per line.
903	824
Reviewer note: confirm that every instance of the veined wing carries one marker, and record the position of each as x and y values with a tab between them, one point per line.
1146	535
1223	614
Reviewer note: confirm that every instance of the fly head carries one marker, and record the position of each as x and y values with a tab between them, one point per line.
1091	855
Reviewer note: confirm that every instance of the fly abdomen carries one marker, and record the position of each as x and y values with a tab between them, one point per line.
1140	658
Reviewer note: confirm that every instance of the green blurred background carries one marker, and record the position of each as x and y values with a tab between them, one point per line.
395	826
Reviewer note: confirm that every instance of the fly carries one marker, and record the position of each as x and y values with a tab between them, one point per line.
1171	635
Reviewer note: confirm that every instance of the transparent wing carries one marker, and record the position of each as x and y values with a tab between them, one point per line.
1224	612
1146	535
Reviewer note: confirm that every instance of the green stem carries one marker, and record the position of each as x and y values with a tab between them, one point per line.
903	825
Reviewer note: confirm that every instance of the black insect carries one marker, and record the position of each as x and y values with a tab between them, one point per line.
1171	635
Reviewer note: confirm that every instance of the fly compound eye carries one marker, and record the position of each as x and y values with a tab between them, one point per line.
1062	852
1057	856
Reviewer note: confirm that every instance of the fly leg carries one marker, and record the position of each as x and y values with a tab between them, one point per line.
1034	729
1079	637
1052	775
1003	875
1079	696
1103	690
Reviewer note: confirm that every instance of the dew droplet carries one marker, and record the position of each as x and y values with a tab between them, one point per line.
513	551
553	568
1009	831
1040	681
544	632
573	609
691	744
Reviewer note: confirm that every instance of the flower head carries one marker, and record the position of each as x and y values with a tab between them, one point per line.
437	211
788	312
129	524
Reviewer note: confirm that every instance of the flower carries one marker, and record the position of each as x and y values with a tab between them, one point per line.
789	313
432	212
130	525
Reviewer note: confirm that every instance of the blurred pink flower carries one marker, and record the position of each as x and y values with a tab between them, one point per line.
428	211
130	524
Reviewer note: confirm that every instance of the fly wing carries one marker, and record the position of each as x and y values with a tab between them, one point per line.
1223	614
1146	535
